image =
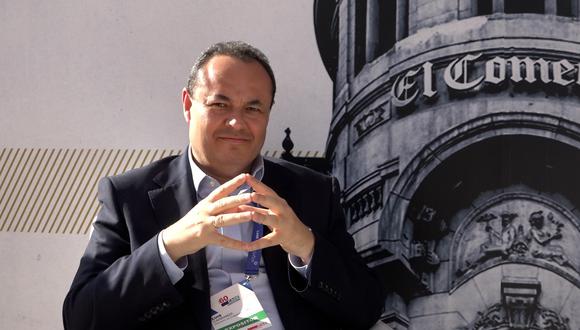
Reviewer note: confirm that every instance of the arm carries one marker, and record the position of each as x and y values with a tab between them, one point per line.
121	281
108	289
340	283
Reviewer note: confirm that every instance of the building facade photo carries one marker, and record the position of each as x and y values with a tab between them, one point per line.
455	135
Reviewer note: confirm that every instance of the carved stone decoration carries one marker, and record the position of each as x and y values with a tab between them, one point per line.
541	238
371	119
365	203
426	214
425	261
519	309
517	227
423	254
497	317
428	221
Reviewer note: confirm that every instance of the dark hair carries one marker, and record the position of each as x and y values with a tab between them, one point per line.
237	49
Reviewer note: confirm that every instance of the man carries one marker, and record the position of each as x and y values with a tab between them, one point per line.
173	234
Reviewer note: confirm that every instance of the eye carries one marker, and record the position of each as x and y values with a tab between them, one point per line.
253	109
217	105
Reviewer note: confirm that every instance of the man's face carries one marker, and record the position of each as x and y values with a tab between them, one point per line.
227	115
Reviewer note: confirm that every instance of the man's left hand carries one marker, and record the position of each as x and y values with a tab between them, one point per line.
286	229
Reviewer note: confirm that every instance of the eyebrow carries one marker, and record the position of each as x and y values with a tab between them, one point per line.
221	97
255	102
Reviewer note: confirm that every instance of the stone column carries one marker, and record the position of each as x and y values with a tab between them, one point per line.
344	47
402	19
498	6
372	30
550	7
350	44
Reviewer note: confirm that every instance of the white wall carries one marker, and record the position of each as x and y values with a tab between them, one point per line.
108	74
36	273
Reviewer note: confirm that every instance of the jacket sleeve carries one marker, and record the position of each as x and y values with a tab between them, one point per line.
117	286
340	283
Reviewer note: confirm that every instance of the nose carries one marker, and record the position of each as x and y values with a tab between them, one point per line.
235	120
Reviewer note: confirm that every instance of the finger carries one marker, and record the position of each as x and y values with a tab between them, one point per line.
229	202
273	202
234	209
247	207
258	186
228	187
230	219
264	242
263	216
230	243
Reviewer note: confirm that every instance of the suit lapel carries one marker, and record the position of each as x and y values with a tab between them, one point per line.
176	194
171	201
175	197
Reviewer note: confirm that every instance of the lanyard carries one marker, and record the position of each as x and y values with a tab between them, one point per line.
253	261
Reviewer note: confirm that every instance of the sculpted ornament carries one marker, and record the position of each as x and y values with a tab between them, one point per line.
541	238
371	119
425	261
497	317
517	230
510	241
519	308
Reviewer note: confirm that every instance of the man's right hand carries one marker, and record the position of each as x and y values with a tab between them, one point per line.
199	227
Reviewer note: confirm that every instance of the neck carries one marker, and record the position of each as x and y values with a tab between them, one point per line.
223	175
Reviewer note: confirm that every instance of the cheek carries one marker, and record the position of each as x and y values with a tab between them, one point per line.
198	127
208	126
259	129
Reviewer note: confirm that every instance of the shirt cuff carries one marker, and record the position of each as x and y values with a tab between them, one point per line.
173	269
301	268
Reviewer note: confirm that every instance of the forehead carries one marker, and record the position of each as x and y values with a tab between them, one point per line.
226	71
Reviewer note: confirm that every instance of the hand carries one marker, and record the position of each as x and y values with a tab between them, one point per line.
286	229
198	228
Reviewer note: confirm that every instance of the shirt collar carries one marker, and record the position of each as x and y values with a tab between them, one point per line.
205	184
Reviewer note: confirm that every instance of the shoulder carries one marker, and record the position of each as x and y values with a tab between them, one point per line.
142	177
290	171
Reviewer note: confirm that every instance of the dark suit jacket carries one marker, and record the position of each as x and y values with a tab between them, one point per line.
121	282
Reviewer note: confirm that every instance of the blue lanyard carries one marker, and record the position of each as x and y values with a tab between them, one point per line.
253	261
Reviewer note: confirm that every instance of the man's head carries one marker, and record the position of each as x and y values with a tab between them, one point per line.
236	49
227	106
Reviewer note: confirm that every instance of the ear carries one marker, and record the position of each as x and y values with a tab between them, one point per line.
186	101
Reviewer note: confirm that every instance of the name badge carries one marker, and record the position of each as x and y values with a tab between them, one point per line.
238	308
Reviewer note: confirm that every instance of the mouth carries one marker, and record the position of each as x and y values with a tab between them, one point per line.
234	139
